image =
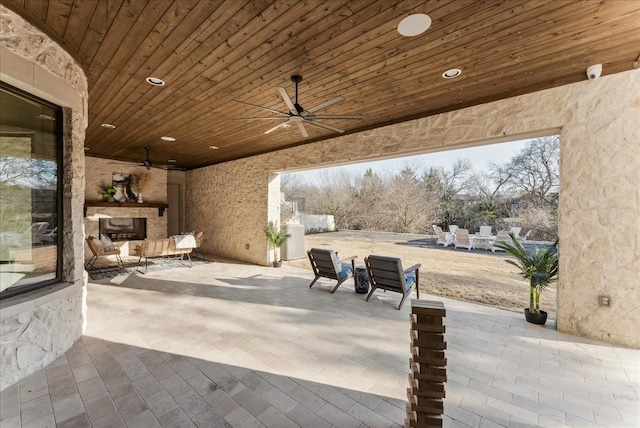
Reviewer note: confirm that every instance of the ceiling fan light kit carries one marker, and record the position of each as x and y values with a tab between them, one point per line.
297	115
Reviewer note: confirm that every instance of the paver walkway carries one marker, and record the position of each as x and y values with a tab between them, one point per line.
239	345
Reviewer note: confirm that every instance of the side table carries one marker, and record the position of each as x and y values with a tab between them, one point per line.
361	280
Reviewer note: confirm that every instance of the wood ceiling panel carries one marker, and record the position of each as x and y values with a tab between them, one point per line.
37	7
79	19
58	14
213	52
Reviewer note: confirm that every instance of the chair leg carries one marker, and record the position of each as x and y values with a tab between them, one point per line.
338	284
120	262
404	297
314	281
190	261
146	261
90	263
370	293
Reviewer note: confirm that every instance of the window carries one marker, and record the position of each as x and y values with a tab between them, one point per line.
30	192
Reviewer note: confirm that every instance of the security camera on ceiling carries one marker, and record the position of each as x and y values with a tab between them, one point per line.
594	71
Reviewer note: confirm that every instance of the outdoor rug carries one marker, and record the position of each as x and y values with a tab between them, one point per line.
154	265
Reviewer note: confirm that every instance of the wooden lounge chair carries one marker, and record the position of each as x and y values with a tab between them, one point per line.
325	264
501	237
387	273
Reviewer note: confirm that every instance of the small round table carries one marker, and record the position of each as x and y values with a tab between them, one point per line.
361	280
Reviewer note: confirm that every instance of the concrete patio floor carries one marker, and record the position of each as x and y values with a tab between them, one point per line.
237	345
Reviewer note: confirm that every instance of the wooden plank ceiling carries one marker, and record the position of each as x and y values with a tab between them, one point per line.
213	52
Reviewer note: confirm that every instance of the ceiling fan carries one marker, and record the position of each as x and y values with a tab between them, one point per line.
148	164
298	115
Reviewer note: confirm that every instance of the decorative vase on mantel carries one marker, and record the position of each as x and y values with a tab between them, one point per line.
111	199
140	198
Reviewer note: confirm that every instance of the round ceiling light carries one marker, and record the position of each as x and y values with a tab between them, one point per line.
214	147
165	138
154	81
108	126
450	74
414	25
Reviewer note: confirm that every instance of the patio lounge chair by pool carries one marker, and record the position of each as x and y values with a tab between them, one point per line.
463	239
325	264
387	273
444	238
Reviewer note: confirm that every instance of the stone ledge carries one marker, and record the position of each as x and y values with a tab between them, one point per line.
29	301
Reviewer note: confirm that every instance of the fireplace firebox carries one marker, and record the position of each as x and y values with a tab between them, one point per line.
123	229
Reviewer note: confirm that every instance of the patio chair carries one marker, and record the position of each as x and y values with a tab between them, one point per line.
501	237
516	231
463	239
453	228
444	239
325	264
387	273
485	231
199	237
34	232
98	249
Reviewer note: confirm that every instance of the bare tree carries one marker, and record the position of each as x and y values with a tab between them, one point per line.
336	197
533	173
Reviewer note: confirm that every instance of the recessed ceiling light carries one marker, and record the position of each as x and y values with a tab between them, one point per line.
154	81
214	147
450	74
414	25
165	138
285	125
171	161
108	126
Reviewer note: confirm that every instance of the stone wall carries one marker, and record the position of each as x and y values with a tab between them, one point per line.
39	326
38	335
598	122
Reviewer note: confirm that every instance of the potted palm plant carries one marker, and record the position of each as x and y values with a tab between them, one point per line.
276	238
540	268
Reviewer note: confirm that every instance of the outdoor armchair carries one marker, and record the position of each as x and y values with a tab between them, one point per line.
387	273
325	264
98	249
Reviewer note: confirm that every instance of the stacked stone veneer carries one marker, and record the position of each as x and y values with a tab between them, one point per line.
599	222
100	172
38	327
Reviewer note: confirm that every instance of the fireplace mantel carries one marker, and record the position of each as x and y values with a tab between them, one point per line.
161	207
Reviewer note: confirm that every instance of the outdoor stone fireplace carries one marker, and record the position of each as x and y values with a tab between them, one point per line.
123	228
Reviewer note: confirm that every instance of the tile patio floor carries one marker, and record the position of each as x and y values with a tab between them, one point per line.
237	345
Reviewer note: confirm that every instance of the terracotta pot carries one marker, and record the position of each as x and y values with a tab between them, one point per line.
277	264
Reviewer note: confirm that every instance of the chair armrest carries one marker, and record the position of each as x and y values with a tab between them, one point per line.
412	268
348	259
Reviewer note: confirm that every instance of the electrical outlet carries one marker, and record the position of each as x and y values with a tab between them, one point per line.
604	300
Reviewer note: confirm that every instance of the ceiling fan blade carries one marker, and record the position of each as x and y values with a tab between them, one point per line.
270	130
287	101
323	125
326	104
261	107
261	118
336	116
302	129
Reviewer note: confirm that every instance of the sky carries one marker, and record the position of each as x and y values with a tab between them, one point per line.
481	157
